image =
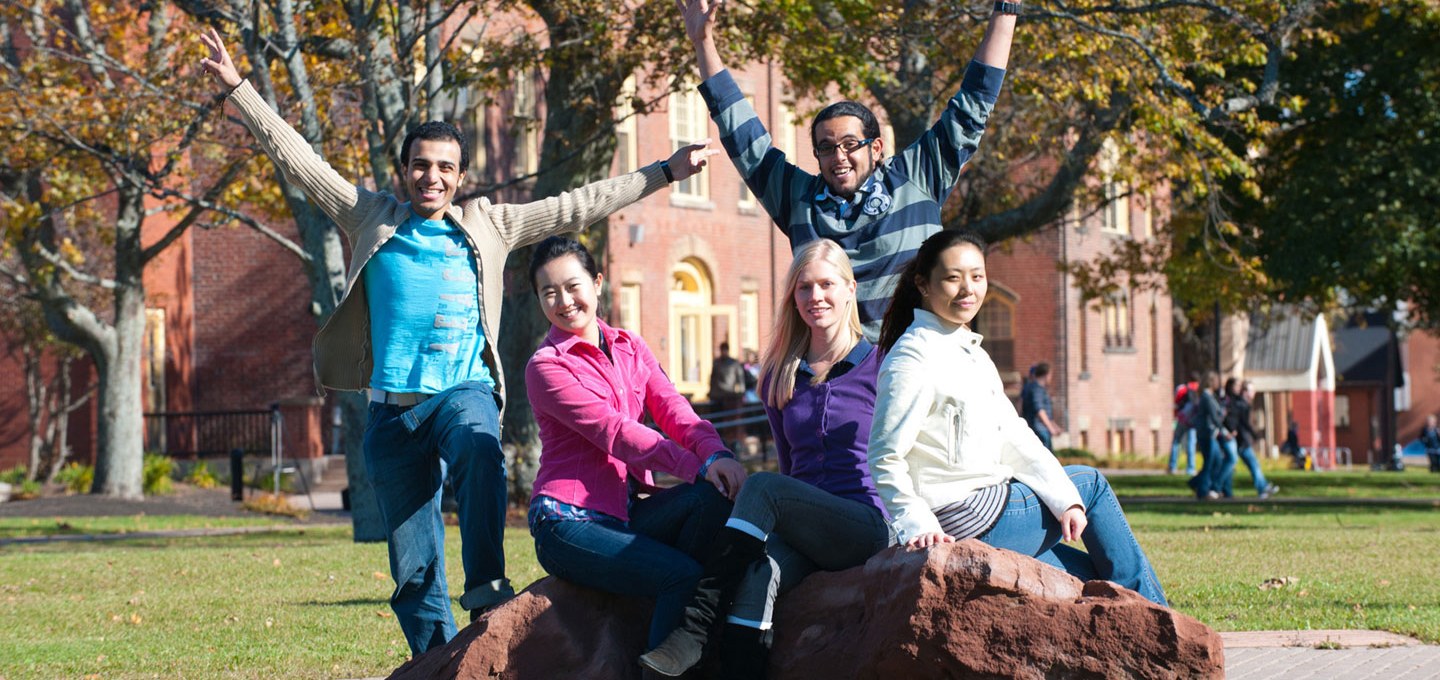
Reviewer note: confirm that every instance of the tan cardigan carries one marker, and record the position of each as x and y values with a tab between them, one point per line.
343	359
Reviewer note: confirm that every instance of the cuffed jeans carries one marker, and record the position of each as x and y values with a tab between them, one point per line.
1028	527
1183	436
805	529
656	555
408	453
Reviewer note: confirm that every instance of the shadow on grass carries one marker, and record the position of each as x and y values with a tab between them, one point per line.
353	602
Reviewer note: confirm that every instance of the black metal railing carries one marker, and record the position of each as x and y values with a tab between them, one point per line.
202	434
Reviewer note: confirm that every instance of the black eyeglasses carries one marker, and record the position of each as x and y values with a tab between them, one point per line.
825	150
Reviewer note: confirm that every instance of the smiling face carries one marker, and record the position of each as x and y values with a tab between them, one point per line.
569	296
955	287
823	295
434	174
845	172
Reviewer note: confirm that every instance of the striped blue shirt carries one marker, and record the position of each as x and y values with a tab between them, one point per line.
915	183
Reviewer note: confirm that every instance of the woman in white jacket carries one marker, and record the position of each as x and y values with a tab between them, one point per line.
950	457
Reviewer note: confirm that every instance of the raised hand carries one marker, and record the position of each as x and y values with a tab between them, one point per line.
689	159
699	18
219	65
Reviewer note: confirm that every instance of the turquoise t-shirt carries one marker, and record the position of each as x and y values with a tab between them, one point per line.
424	310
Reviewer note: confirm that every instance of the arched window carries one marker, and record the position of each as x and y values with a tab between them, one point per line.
996	321
690	328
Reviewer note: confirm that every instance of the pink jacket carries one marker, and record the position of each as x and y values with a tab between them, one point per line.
589	411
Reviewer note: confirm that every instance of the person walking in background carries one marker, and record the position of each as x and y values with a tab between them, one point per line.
417	327
1036	407
1291	446
1242	438
1430	439
1209	424
727	393
1187	401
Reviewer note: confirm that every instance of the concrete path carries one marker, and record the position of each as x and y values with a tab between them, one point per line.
1327	655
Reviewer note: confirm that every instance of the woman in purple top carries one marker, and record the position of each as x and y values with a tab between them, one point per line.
822	511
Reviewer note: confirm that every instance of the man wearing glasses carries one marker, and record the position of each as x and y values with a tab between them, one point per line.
879	209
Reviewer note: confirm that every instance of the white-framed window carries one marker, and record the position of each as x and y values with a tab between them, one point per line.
689	121
1115	209
626	130
784	134
749	312
1115	311
525	124
630	307
1342	410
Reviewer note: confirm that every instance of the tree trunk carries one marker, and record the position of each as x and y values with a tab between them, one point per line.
119	457
365	519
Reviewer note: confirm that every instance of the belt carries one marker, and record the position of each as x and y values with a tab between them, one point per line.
397	398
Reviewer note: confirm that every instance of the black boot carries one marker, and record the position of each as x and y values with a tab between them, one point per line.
735	550
744	652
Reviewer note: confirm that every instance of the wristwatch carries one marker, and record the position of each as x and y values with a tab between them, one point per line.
665	168
1007	7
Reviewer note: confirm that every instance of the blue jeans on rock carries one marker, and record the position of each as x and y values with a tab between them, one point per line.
805	529
657	554
1028	527
1183	435
408	453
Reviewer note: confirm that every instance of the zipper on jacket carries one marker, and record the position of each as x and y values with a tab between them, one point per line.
955	413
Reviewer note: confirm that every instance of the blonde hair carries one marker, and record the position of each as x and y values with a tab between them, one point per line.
791	337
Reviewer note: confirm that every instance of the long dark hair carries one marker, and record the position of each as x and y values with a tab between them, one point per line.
907	296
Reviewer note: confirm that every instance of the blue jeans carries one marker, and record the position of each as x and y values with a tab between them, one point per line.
1257	475
1210	454
805	529
408	453
1043	433
1183	435
1028	527
656	555
1222	478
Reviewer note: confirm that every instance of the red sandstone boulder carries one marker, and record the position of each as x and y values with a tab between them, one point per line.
960	610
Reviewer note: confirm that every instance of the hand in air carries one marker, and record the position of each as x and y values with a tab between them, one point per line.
928	539
219	65
699	17
728	475
689	159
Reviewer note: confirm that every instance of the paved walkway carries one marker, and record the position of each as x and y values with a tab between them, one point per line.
1328	654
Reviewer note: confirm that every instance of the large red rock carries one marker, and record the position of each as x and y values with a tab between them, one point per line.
961	610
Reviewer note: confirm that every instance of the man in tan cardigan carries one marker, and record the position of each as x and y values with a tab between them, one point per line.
417	328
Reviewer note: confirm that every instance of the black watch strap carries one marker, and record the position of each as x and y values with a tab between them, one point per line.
665	168
1007	7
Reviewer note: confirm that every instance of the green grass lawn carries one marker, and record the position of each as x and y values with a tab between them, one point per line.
1357	483
307	602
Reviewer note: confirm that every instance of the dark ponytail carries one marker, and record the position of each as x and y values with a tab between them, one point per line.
907	297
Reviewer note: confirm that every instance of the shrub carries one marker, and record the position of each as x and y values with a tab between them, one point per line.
266	483
156	475
201	476
14	476
1074	456
26	490
272	504
77	477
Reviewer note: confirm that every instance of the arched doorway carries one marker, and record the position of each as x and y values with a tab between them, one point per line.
692	327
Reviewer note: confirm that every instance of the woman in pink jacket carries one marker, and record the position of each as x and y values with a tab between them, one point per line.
597	518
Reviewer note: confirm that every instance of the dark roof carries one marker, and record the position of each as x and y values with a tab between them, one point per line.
1283	342
1360	355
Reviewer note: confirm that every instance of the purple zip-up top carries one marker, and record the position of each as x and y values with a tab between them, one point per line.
822	435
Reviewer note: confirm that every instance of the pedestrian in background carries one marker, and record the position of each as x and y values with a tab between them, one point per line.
1036	407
